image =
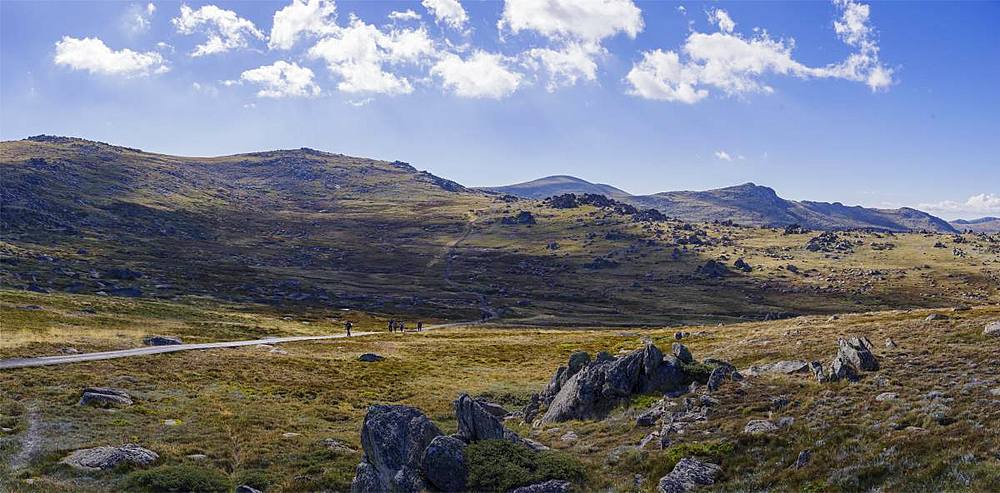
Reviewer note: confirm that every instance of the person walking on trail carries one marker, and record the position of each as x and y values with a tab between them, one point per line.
420	326
347	327
402	327
392	325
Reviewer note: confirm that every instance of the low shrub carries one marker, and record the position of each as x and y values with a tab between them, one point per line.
182	478
499	465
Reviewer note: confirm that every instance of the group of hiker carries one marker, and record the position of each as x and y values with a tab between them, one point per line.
394	326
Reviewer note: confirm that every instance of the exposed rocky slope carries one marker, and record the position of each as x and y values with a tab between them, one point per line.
981	225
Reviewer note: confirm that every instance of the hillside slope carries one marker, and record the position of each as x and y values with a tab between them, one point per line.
981	225
558	185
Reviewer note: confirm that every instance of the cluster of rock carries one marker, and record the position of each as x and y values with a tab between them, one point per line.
713	268
589	388
523	217
572	201
405	452
829	242
687	475
854	356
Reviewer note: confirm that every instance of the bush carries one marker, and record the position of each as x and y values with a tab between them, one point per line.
499	465
184	478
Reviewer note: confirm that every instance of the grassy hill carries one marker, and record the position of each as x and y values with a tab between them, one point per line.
981	225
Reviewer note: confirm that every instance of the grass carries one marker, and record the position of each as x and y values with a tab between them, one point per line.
262	417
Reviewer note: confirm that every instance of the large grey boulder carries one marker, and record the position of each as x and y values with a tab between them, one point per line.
688	475
682	353
101	458
161	341
607	381
779	368
105	397
759	426
854	355
444	464
394	439
992	329
550	486
476	423
577	361
493	408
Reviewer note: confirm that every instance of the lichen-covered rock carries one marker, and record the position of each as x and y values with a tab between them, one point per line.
550	486
688	475
444	464
779	368
394	439
476	423
682	353
756	426
101	458
992	329
105	397
854	355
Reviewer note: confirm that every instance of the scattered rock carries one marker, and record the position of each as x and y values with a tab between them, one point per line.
102	458
105	397
818	371
688	475
370	358
550	486
853	356
394	439
803	459
444	465
69	350
197	457
890	344
713	269
779	367
161	341
246	489
681	352
742	265
755	426
569	436
337	446
886	396
992	329
936	316
278	350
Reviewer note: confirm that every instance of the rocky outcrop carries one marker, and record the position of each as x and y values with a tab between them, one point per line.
550	486
105	397
102	458
712	268
476	423
688	475
854	355
394	439
603	383
161	341
444	464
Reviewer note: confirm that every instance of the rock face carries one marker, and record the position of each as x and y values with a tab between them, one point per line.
577	361
476	423
681	352
105	397
854	355
444	464
593	390
100	458
689	474
161	340
394	439
992	329
551	486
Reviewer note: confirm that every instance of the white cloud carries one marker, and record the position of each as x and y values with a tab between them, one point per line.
574	19
139	18
567	65
405	15
448	12
92	55
207	89
736	65
359	53
723	156
300	17
482	75
225	29
721	18
984	203
282	80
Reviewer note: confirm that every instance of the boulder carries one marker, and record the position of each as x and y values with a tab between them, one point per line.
246	489
370	358
443	464
161	340
607	381
493	408
936	316
476	423
853	356
992	329
105	397
779	367
689	474
102	458
394	439
577	361
742	265
550	486
755	426
712	268
681	352
818	371
803	459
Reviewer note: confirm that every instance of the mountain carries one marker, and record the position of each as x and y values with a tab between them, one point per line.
981	225
558	185
748	204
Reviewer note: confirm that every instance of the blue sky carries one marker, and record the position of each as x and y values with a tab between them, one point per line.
888	104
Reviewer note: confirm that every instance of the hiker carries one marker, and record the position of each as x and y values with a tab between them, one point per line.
402	327
392	325
420	326
347	326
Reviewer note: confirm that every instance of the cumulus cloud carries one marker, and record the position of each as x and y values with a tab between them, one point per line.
448	12
360	52
282	80
723	156
225	29
92	55
482	75
736	65
984	203
315	17
575	29
405	15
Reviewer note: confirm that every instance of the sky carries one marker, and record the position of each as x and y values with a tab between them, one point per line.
886	104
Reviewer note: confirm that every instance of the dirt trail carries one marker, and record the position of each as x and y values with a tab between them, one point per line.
31	440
